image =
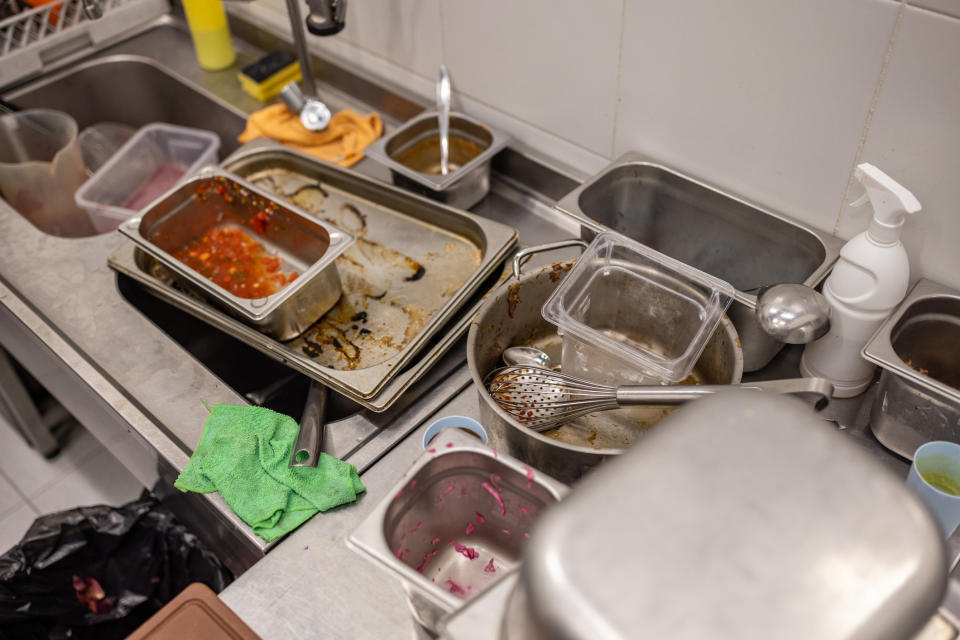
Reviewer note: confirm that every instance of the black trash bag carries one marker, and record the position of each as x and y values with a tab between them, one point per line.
99	572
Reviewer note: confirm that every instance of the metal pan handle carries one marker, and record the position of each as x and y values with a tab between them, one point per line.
525	254
306	450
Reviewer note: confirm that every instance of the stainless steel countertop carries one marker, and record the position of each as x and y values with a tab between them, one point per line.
58	295
136	389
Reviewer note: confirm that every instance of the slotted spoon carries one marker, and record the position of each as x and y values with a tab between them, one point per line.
542	399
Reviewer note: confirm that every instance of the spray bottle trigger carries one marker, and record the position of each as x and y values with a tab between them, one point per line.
861	200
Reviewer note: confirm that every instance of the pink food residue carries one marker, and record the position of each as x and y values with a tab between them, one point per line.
449	444
413	483
495	452
455	589
496	496
399	494
470	528
427	558
418	527
495	481
523	509
399	553
526	535
445	493
506	531
435	541
466	551
490	568
463	492
529	477
431	450
479	517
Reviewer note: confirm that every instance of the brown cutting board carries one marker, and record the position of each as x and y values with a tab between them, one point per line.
196	613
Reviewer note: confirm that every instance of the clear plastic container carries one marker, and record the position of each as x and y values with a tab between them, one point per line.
631	315
154	160
40	170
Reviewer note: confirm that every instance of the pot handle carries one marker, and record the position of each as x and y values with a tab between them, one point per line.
525	254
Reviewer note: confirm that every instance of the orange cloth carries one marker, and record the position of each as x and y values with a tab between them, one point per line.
343	141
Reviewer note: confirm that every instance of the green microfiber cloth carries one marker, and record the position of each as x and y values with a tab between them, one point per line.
245	455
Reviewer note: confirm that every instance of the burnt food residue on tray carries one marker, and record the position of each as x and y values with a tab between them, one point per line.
395	278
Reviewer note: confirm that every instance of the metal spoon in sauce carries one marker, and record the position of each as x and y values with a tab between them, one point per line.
527	356
443	115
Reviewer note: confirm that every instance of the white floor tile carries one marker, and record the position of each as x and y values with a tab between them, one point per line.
9	498
100	480
30	471
14	524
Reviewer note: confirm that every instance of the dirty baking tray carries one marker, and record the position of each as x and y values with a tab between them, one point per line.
160	281
415	263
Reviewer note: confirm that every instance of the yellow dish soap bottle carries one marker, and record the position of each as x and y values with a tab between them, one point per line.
211	36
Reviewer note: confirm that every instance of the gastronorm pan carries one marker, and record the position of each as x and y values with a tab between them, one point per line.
412	153
217	200
918	349
716	232
456	522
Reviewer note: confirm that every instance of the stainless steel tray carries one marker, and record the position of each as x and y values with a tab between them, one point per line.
414	264
159	281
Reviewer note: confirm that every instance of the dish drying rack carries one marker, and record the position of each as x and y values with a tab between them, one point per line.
33	39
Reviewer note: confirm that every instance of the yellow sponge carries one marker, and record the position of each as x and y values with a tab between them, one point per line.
267	76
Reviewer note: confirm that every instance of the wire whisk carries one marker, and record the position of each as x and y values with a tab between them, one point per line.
542	399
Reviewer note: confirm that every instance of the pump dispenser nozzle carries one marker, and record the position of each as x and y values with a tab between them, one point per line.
891	203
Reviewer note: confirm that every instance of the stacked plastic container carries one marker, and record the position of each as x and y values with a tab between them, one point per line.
155	159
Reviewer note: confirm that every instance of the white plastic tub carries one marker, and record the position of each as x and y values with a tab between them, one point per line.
154	160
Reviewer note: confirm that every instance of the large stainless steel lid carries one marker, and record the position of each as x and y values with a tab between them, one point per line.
742	516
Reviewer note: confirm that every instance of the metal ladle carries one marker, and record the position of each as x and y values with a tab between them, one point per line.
443	117
793	313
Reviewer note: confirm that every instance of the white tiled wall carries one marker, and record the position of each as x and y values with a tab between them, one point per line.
777	101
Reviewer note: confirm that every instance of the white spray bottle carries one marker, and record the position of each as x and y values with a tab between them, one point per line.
867	283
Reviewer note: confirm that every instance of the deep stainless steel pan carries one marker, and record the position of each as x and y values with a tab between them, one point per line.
707	228
511	316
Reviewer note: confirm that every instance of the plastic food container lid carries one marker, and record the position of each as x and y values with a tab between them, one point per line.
155	159
640	306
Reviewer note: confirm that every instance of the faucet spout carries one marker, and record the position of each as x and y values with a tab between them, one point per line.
327	17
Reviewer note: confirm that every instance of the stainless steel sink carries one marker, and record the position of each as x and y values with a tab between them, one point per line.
713	231
133	90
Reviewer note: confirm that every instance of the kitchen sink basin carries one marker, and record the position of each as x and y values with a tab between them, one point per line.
132	90
135	91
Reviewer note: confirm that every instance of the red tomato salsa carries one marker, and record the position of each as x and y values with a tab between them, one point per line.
232	259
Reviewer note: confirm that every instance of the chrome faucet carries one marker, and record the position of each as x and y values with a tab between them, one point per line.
326	18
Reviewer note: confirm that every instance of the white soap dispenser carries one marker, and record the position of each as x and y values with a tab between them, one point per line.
868	282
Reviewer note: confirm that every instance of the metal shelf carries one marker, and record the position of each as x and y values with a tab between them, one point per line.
33	39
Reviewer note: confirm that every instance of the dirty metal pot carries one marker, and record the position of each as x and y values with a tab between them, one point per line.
512	316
